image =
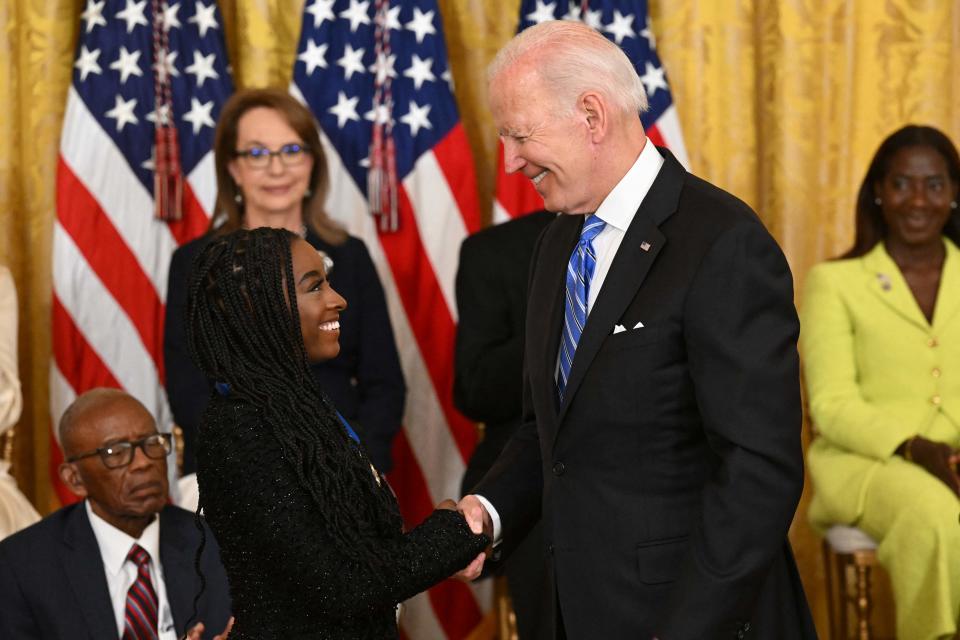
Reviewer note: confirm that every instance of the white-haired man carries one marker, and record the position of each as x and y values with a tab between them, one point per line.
661	435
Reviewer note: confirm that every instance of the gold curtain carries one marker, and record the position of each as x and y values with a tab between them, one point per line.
782	102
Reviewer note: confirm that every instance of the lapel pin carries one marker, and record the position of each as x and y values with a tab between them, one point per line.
645	245
884	281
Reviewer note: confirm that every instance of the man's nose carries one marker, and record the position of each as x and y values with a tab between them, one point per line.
141	459
512	160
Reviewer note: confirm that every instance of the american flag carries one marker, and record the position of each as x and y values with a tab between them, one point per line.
343	59
627	23
110	253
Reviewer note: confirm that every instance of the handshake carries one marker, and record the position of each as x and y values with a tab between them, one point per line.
479	521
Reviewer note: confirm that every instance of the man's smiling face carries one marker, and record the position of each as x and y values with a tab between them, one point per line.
546	141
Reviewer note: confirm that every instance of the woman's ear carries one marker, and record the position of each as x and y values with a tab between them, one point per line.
235	173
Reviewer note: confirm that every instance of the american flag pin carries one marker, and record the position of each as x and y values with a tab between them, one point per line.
645	246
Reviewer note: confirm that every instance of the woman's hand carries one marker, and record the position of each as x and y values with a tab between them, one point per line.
938	458
448	505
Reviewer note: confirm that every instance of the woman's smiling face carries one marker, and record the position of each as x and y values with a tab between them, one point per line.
318	303
916	196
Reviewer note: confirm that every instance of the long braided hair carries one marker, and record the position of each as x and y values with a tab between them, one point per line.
244	330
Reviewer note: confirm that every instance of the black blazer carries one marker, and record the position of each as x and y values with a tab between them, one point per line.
670	474
52	582
365	381
491	306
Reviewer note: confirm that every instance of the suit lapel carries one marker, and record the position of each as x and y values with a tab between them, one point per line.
176	556
888	284
628	270
83	566
547	296
948	296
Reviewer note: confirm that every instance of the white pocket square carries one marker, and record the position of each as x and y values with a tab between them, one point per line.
618	328
639	325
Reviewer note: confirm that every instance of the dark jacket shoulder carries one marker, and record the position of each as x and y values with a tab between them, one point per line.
511	231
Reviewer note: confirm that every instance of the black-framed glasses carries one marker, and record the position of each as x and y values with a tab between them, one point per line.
259	157
120	454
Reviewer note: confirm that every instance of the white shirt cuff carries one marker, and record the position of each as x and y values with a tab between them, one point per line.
494	517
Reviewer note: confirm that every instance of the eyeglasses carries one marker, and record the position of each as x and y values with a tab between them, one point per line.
290	155
120	454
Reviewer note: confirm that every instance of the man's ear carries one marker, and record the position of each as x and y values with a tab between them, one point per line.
595	110
71	477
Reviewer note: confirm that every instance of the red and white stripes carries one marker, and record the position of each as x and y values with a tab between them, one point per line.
110	263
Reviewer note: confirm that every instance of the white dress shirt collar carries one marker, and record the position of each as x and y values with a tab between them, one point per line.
620	205
115	544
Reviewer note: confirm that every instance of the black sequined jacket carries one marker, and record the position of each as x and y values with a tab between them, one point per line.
287	579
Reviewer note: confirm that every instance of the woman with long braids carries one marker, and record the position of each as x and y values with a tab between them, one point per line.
309	532
272	172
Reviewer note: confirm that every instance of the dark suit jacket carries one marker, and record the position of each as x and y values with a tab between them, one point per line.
365	381
670	474
52	582
491	306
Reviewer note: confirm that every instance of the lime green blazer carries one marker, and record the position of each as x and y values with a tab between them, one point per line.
876	372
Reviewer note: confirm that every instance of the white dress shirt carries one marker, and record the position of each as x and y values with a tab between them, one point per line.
114	547
617	210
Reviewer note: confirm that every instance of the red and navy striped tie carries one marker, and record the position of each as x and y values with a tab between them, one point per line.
141	611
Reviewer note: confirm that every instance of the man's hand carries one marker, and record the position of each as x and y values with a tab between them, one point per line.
477	517
479	522
196	633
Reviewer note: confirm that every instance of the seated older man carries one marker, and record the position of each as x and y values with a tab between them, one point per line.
119	564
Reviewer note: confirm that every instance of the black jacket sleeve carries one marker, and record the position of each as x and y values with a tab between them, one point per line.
741	320
272	533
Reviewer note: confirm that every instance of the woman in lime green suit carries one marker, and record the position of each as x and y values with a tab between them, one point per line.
880	340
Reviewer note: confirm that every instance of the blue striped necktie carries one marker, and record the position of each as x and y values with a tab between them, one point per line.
583	261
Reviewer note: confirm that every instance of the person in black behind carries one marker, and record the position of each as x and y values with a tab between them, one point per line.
491	293
309	531
256	189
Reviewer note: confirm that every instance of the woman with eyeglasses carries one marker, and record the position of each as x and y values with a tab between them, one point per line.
309	531
271	172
